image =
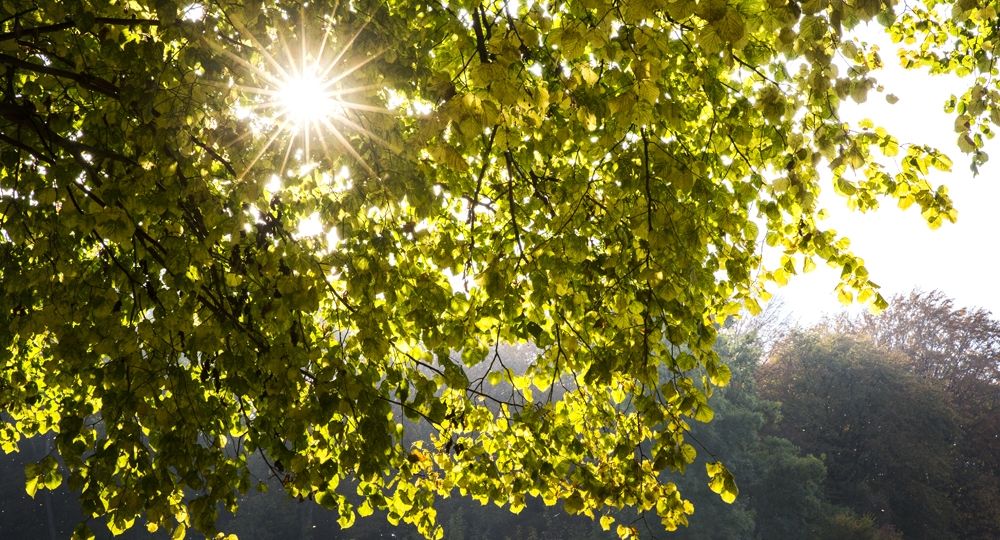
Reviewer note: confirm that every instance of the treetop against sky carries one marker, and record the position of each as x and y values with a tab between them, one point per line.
231	228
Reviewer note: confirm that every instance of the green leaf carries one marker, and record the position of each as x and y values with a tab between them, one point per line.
721	375
53	479
82	532
721	482
573	503
731	27
704	413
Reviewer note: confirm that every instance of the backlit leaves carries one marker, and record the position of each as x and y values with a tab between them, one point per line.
522	241
721	481
42	475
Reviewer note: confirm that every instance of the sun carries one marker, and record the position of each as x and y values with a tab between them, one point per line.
303	97
306	100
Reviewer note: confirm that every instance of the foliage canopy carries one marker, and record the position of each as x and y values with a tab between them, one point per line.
592	177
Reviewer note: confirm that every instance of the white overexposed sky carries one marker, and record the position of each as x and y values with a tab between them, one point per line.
900	251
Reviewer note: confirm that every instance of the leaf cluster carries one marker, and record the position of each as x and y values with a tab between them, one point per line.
590	177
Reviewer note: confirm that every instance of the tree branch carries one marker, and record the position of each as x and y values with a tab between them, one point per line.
89	82
215	155
477	27
18	144
58	27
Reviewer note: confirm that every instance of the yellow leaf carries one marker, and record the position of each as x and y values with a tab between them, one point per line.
31	486
53	479
588	75
845	296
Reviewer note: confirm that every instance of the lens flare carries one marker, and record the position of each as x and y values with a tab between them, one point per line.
306	97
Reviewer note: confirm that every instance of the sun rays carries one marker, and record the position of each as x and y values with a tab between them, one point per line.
305	98
300	100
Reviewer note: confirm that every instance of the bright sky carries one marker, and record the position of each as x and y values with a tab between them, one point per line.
900	251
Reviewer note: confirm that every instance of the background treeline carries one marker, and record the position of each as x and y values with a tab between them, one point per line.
868	427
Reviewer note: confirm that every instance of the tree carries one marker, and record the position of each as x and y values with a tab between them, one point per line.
192	270
888	436
779	487
782	491
959	349
955	345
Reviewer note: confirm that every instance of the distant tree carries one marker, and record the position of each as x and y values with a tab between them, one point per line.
755	334
845	525
782	490
958	346
959	350
888	437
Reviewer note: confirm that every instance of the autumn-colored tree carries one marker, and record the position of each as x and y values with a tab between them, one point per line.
956	345
238	227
